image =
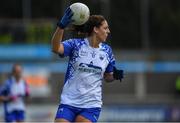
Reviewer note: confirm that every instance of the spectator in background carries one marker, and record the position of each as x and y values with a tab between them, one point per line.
13	94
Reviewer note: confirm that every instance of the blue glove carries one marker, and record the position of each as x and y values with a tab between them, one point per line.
66	19
118	74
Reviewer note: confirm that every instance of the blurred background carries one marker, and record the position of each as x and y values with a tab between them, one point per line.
145	40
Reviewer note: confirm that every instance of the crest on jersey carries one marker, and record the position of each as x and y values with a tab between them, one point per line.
101	57
93	54
83	53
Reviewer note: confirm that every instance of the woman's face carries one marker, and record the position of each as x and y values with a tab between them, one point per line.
102	31
17	72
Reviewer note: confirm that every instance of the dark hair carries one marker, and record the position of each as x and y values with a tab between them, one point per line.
14	67
87	28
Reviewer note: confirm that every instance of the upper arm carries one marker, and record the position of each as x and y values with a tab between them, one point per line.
111	61
60	49
57	37
108	75
68	46
4	89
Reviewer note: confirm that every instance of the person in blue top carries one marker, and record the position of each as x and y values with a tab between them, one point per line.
90	62
13	94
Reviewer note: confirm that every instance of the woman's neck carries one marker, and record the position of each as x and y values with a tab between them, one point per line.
93	42
17	78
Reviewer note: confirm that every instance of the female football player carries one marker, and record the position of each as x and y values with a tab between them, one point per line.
90	61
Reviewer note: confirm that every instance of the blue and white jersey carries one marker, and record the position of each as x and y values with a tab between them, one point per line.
14	89
84	76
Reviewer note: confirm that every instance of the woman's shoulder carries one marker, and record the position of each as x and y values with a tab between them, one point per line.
106	47
77	40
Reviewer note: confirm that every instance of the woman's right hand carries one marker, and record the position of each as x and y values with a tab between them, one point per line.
66	19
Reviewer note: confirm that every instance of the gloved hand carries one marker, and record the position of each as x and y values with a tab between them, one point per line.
66	19
118	74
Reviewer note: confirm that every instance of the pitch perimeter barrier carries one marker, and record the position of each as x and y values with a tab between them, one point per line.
128	66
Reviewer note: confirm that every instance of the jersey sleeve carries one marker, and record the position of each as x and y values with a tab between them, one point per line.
68	47
111	60
4	88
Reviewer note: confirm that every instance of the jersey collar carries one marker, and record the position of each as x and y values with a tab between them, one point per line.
87	42
14	80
